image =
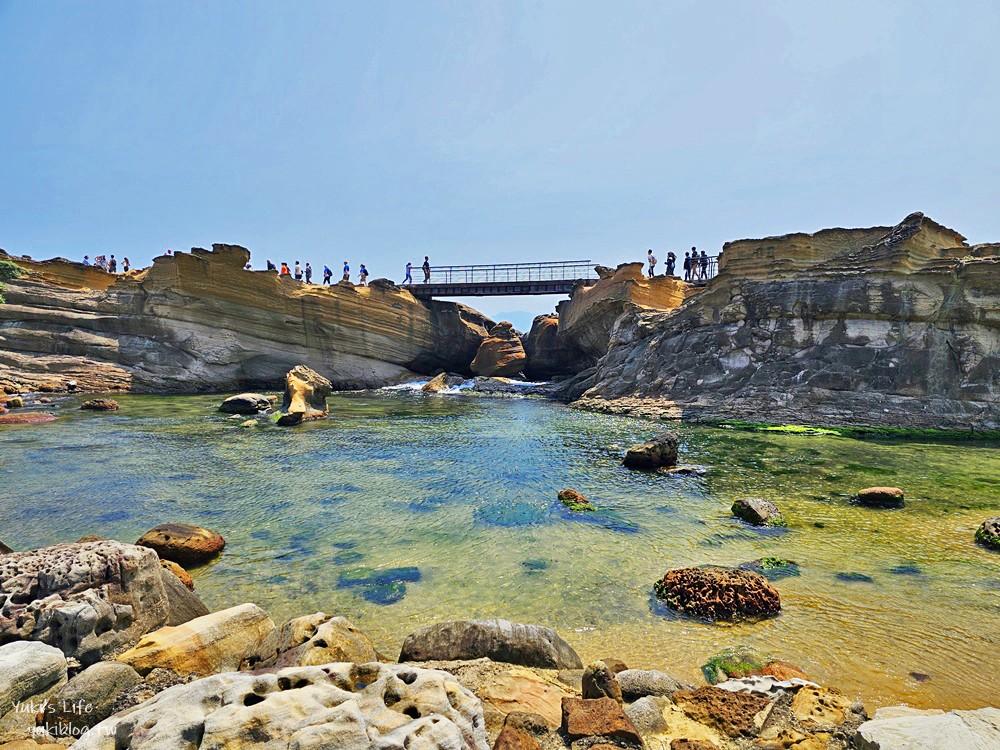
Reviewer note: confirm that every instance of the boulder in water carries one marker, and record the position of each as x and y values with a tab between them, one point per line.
575	501
27	417
880	497
758	512
100	404
719	593
183	543
305	396
442	382
501	355
245	403
988	534
14	402
660	452
499	640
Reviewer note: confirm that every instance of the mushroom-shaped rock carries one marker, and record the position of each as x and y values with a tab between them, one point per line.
501	355
183	543
100	404
880	497
758	512
719	593
574	500
245	403
305	396
988	534
660	452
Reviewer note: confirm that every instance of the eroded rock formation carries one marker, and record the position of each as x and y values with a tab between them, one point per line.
501	355
888	325
198	322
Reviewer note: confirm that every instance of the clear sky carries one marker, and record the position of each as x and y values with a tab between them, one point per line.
489	132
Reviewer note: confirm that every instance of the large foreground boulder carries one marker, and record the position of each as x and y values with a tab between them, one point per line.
501	355
342	706
311	640
183	543
499	640
89	698
719	593
967	730
29	673
305	396
245	403
660	452
88	600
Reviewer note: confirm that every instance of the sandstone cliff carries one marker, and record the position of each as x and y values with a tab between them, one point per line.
888	325
198	322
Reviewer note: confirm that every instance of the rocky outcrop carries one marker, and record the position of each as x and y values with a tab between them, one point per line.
719	593
501	355
305	396
89	698
657	453
441	382
882	326
183	543
338	705
88	600
930	730
100	404
499	640
311	640
988	533
758	511
197	322
549	355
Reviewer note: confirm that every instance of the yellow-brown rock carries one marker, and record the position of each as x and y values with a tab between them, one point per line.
184	543
178	571
205	645
305	396
199	322
501	355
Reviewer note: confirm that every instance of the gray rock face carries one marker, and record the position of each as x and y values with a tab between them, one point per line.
758	511
182	603
647	715
245	403
638	683
89	698
499	640
86	599
29	673
548	354
341	706
968	730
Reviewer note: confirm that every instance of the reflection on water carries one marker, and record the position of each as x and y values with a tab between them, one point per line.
404	509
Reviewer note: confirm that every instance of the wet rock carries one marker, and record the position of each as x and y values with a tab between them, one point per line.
4	549
511	738
599	682
305	396
600	717
782	670
100	404
88	600
639	683
311	640
719	593
89	698
501	355
28	417
657	453
212	643
30	672
740	661
968	730
880	497
245	403
988	534
575	501
758	512
825	708
182	575
499	640
14	402
385	586
183	543
733	714
772	568
442	382
338	706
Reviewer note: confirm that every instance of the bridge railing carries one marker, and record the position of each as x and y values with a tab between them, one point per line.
510	272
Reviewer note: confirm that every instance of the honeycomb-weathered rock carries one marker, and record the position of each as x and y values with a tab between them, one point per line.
719	593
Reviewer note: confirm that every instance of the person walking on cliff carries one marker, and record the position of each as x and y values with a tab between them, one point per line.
409	274
309	273
687	266
327	274
651	259
298	271
671	262
271	266
704	265
427	269
347	272
284	270
112	265
363	275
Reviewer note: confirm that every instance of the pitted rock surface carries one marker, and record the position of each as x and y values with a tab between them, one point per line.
350	707
719	593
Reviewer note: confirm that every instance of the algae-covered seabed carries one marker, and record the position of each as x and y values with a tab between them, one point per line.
464	490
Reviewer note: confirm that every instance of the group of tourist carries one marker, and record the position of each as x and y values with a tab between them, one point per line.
108	264
305	273
695	266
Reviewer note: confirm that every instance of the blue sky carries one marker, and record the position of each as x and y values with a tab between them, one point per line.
488	132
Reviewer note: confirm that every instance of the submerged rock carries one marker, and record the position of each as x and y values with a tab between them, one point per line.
758	512
719	593
339	705
735	662
305	396
988	534
500	355
880	497
575	501
100	404
772	568
499	640
28	417
657	453
245	403
183	543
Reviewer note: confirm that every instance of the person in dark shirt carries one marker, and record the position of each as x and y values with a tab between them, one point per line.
687	266
327	274
671	262
271	266
309	273
112	265
363	275
427	269
704	265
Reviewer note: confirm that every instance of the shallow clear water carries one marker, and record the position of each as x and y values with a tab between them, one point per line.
460	493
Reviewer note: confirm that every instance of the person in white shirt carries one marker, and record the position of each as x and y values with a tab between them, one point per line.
651	259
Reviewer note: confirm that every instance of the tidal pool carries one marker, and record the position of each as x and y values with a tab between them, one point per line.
404	509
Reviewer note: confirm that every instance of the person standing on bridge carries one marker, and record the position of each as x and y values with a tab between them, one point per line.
704	265
427	269
347	272
671	262
409	274
651	259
